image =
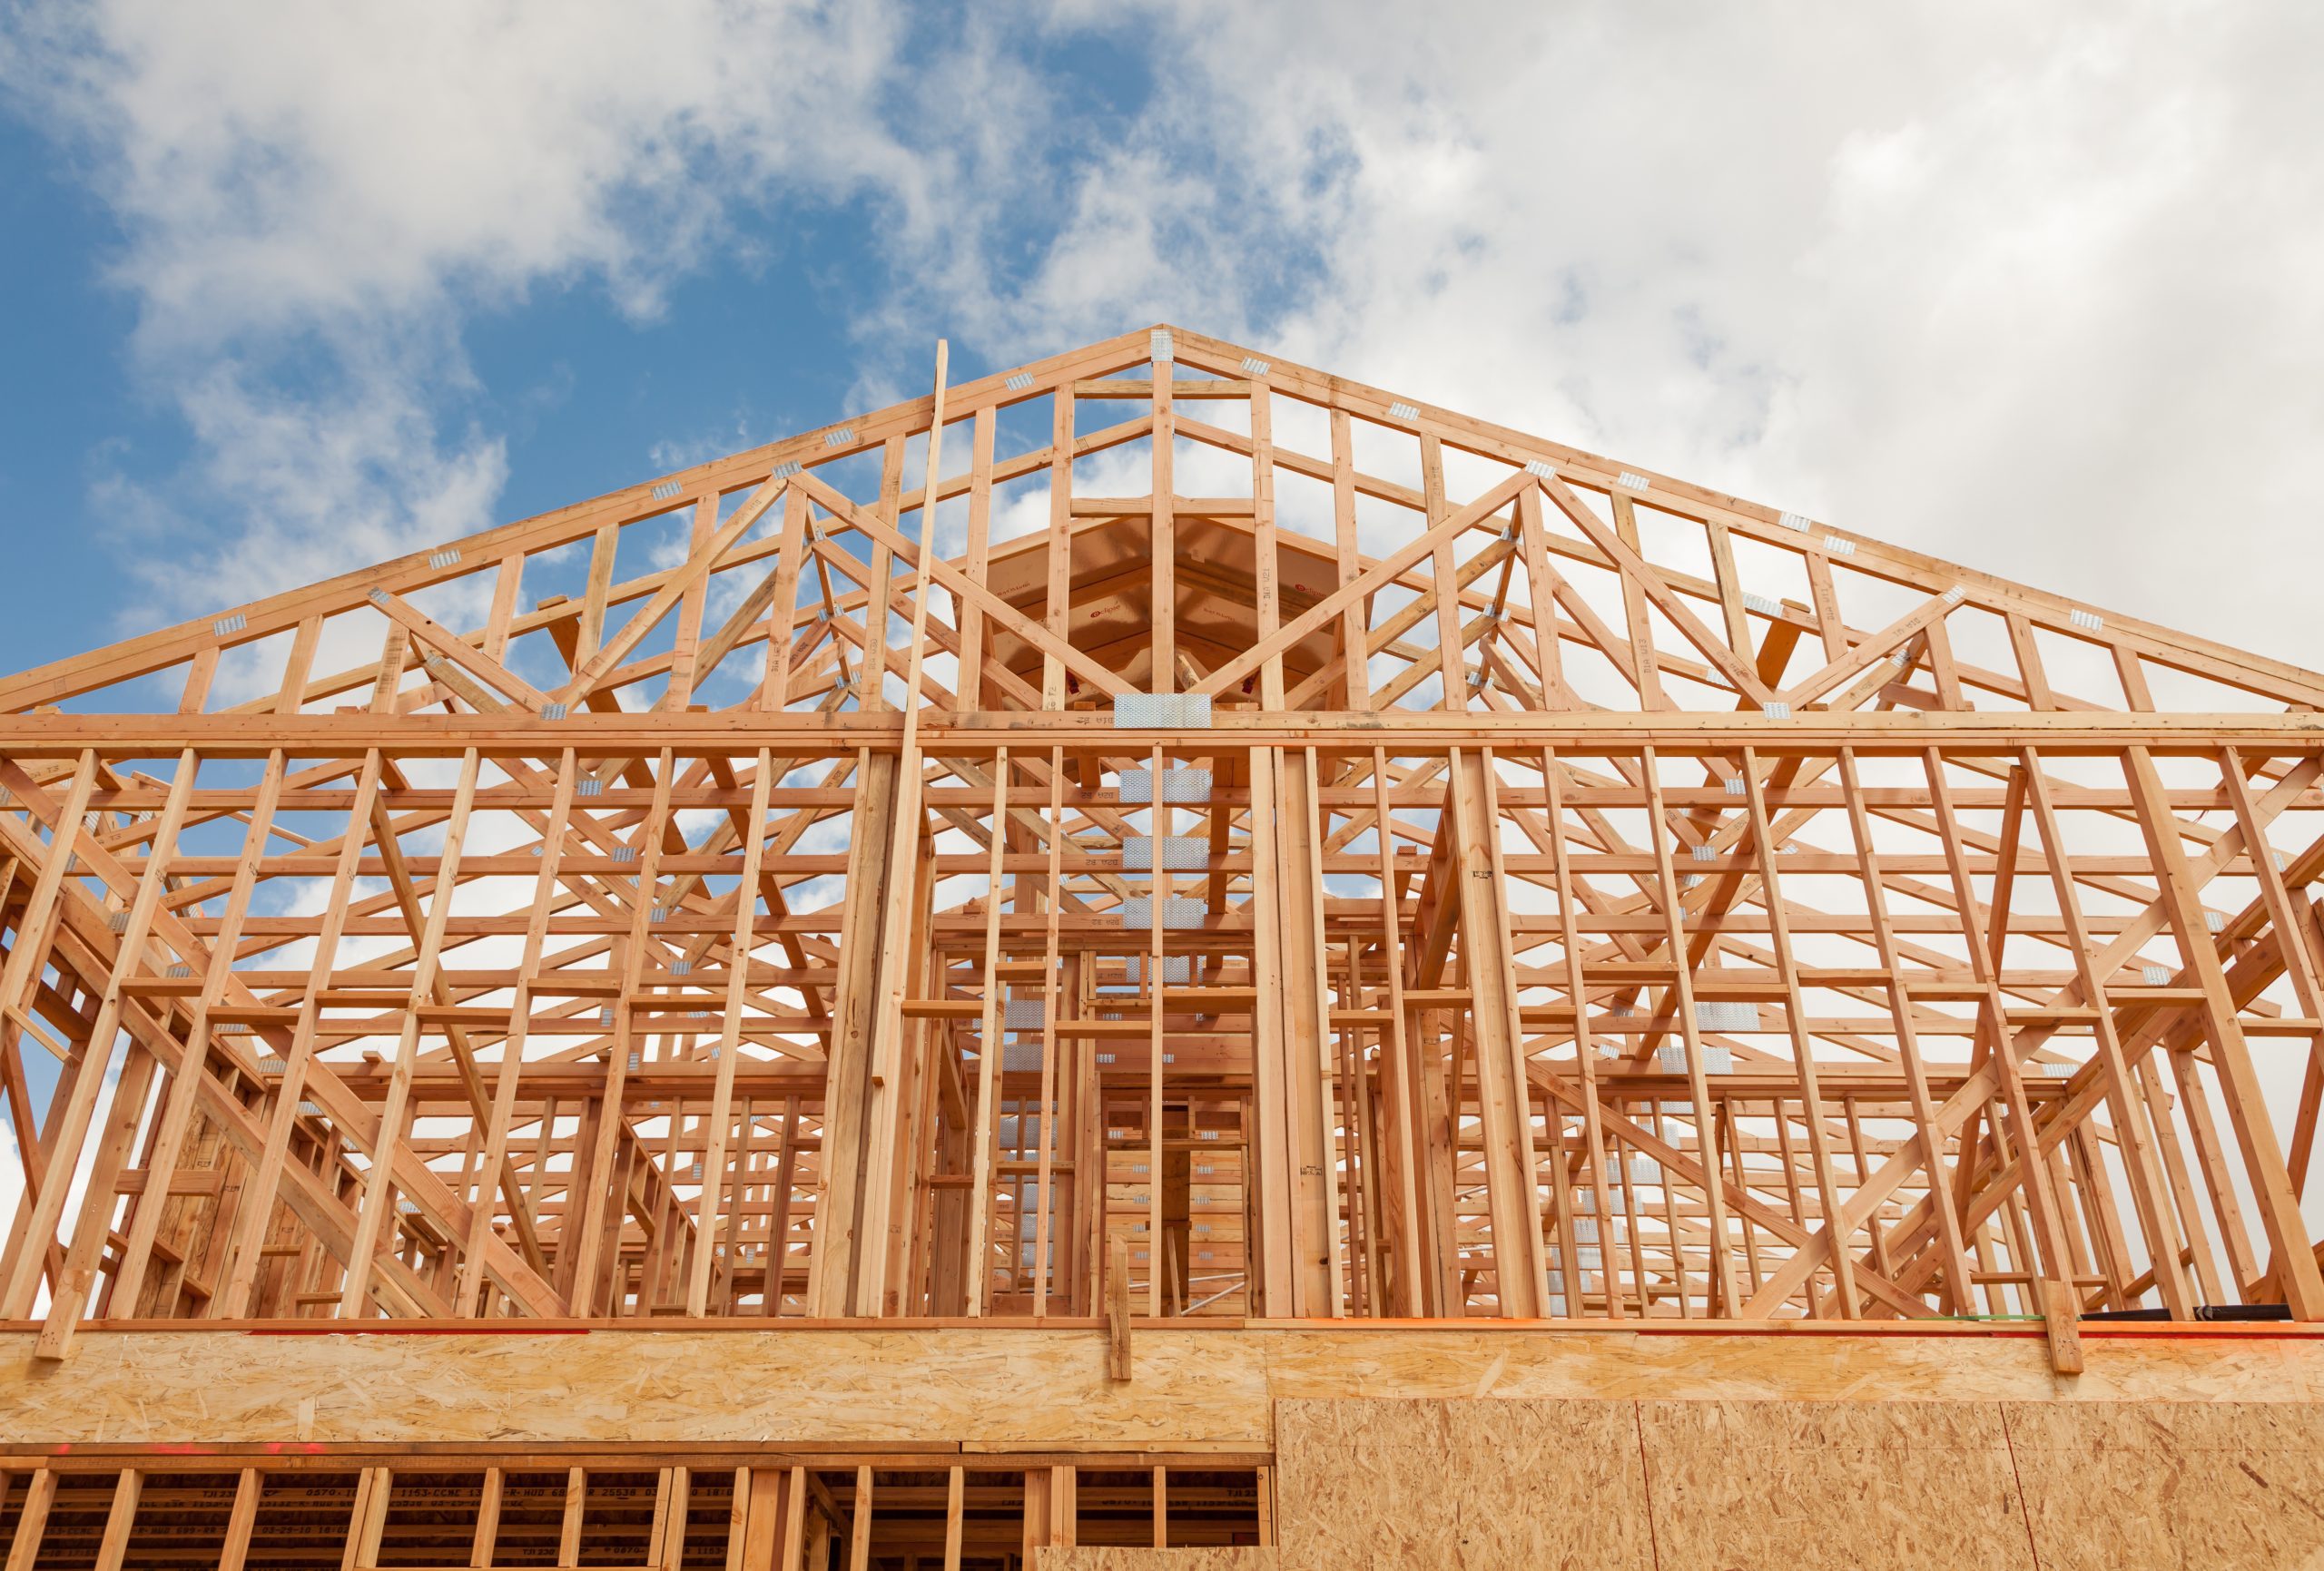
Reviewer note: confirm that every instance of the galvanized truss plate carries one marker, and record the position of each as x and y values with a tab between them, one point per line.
1162	710
1179	853
1179	912
1179	785
1671	1059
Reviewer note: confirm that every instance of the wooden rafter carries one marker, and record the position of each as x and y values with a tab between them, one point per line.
1438	885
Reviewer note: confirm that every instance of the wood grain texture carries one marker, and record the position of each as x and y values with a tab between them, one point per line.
674	702
1011	1387
1085	1558
1480	1484
1363	1483
693	998
2186	1486
1833	1486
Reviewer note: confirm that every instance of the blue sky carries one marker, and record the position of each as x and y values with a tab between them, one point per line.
293	288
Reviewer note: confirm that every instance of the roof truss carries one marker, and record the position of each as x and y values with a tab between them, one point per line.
1570	892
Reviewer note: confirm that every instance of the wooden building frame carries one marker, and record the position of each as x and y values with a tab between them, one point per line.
1161	836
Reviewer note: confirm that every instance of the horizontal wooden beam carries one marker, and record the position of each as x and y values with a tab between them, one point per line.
1020	1387
958	733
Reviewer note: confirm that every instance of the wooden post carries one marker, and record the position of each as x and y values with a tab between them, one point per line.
1118	1366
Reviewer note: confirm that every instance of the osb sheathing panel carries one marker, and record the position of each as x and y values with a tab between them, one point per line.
1013	1387
1833	1486
2173	1486
1485	1486
1091	1559
1364	1484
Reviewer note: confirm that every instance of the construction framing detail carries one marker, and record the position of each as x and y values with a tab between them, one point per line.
1159	831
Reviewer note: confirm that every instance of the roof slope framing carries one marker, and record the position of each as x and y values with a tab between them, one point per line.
1170	827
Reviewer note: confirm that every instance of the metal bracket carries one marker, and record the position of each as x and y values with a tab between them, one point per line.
1162	711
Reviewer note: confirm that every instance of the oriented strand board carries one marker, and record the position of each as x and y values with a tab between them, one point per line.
1833	1486
1089	1559
1011	1387
1364	1484
2173	1486
1548	1485
1485	1486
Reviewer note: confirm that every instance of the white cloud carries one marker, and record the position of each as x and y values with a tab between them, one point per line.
2031	290
315	200
308	166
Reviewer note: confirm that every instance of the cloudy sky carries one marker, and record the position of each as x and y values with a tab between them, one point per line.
292	287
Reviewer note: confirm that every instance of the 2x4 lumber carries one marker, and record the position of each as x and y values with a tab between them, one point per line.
686	641
71	1294
2302	944
1794	1007
501	1118
946	734
1161	818
1400	1092
1666	894
713	1160
240	1274
1649	583
2131	1131
1984	946
1988	1179
1053	897
2293	1265
1058	553
673	590
1117	1349
1594	1147
1512	1190
1275	1238
1163	553
45	1184
989	1055
886	1107
373	1222
595	1180
412	622
195	639
1371	580
831	1286
1000	613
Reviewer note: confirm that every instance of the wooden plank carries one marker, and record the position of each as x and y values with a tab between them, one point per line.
2184	1484
2294	1264
730	1035
1432	1484
1118	1361
1362	1043
373	1222
112	1549
1211	1557
1824	1485
31	1520
892	1384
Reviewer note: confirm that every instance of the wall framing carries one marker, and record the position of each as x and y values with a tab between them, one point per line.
1160	838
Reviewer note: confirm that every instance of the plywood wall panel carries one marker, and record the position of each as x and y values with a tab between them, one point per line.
1548	1485
1101	1559
1832	1486
1363	1484
1479	1485
2173	1485
1013	1387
